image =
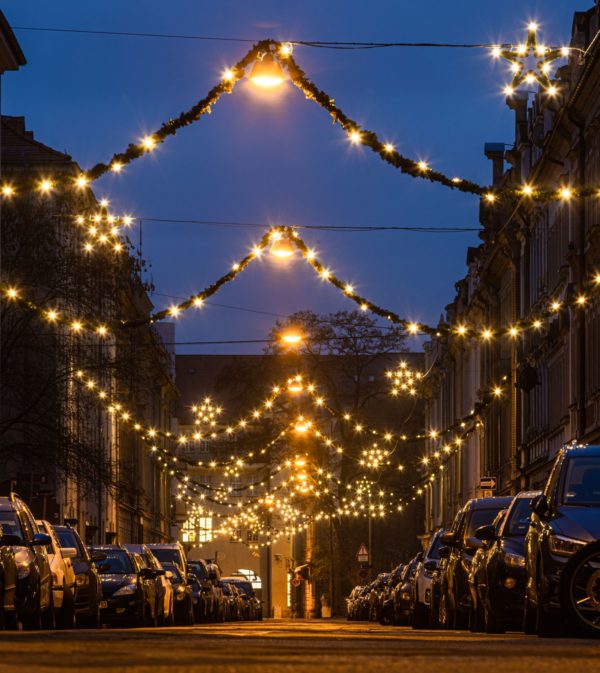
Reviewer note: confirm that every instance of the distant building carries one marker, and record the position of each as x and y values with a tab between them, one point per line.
533	254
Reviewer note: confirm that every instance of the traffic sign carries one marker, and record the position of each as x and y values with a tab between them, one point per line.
362	555
487	483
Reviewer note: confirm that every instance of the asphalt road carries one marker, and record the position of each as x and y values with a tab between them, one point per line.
291	646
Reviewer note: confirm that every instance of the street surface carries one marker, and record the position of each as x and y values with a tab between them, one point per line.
291	646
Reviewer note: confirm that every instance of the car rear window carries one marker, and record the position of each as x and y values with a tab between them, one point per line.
517	524
167	555
11	524
67	538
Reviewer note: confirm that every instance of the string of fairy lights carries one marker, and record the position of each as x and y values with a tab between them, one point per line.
284	241
270	58
271	63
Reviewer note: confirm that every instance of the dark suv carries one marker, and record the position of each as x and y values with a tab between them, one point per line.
88	592
564	529
455	596
34	578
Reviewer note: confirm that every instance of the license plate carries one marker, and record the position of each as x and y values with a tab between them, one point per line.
103	605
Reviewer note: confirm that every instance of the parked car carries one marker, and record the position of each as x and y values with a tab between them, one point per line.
497	579
455	596
234	602
88	591
352	602
561	547
35	605
209	605
128	588
63	578
165	608
386	599
420	584
252	606
401	592
377	588
8	584
184	600
172	553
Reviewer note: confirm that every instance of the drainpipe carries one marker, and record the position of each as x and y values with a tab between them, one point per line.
580	277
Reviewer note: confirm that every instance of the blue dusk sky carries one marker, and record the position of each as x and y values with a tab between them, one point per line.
279	159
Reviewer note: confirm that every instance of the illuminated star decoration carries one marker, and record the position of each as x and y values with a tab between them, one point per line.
517	57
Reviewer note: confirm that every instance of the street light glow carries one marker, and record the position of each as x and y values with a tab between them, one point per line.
267	73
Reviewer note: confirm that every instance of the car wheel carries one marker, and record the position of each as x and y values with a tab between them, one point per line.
66	616
580	590
49	616
420	616
545	627
529	617
489	619
444	616
33	621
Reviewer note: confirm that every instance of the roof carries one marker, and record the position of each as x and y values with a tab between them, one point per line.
590	450
11	54
489	503
20	149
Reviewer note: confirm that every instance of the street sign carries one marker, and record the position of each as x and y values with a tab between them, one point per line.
362	555
487	483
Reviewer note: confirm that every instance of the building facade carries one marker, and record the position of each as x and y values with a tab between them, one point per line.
537	261
62	447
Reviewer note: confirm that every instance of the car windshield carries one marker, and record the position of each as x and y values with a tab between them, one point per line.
116	563
167	555
478	518
246	587
67	538
434	550
11	524
582	482
517	523
199	570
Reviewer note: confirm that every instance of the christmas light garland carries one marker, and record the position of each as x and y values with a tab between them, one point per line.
357	135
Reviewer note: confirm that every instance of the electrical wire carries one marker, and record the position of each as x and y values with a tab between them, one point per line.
314	227
323	44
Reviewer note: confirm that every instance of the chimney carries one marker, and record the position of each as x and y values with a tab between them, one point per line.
495	153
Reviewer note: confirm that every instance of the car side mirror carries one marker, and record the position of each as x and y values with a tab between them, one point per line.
168	574
430	565
449	539
160	572
191	578
474	543
147	574
485	533
11	541
41	540
68	552
539	505
444	552
96	557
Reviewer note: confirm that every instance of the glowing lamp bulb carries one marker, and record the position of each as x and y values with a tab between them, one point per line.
8	190
292	338
282	248
355	137
532	26
496	52
148	143
81	181
267	73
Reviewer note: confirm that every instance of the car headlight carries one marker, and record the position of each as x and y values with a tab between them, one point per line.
23	570
126	590
82	580
565	546
514	560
